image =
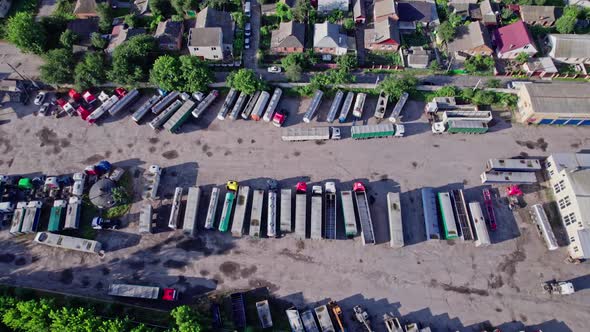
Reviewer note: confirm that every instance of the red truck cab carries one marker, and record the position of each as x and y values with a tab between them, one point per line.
74	95
83	112
120	92
301	187
88	97
279	118
358	187
169	294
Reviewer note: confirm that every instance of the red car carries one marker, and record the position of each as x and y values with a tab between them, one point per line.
88	97
74	95
120	92
83	112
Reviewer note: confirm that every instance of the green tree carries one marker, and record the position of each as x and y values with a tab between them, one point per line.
97	41
73	320
482	97
301	10
284	12
30	315
446	31
493	83
455	20
347	62
567	22
293	72
522	57
132	20
240	19
58	67
160	7
186	320
395	85
68	38
507	14
166	73
131	59
348	24
105	16
245	80
196	74
90	71
447	91
479	63
180	6
25	33
335	16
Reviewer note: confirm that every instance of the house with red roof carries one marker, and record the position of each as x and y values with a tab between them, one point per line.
513	39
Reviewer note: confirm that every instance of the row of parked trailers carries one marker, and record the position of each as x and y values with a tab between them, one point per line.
511	171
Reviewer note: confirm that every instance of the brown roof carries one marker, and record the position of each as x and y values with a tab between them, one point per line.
469	37
383	31
84	29
384	7
168	32
123	36
211	18
538	13
289	34
488	12
205	37
87	6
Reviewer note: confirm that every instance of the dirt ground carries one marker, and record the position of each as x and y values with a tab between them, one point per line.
448	285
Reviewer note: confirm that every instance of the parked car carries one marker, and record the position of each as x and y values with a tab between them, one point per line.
40	98
44	110
247	43
274	69
101	223
248	29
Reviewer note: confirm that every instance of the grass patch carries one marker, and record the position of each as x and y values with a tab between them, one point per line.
384	58
126	184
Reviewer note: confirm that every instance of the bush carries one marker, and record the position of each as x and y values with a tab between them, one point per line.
23	31
479	64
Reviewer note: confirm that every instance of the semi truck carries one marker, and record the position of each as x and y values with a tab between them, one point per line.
316	213
264	314
271	216
145	108
227	103
330	222
350	228
228	204
313	107
164	102
143	292
359	105
396	229
309	321
31	218
205	103
256	215
17	218
460	127
191	211
127	100
237	227
250	106
376	131
346	106
300	209
159	120
324	319
381	107
310	134
239	105
286	210
397	109
175	210
57	215
102	109
179	117
362	204
212	208
258	110
335	107
272	105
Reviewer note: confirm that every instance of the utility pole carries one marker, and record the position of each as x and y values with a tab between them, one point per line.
18	73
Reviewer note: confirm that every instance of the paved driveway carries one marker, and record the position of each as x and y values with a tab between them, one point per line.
250	54
46	7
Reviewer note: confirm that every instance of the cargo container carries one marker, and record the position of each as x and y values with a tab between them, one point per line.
212	209
145	108
250	106
489	204
69	242
316	213
310	134
237	109
397	109
17	218
309	321
272	105
57	216
264	314
362	206
286	202
256	214
313	106
324	319
152	182
102	109
124	102
330	222
350	228
175	209
372	131
543	226
227	103
359	105
73	213
463	220
237	227
238	308
31	218
145	219
165	102
460	127
159	120
513	165
228	204
430	209
179	117
143	292
271	212
259	107
508	177
191	211
346	106
448	218
295	320
300	210
335	107
482	237
396	228
203	105
467	115
381	107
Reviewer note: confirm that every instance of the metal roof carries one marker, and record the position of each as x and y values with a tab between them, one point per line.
289	34
569	46
559	98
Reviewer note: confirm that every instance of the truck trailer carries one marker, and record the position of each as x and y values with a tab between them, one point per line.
228	204
330	222
264	314
227	103
313	107
175	210
324	319
212	208
250	106
57	215
513	165
159	120
429	208
179	117
191	211
335	107
381	107
362	204
316	213
350	228
346	106
310	134
238	106
256	214
102	109
508	177
165	102
143	292
31	218
295	320
17	218
300	210
237	227
373	131
127	100
152	182
309	321
397	109
271	211
205	103
258	110
396	229
145	219
272	105
145	108
286	202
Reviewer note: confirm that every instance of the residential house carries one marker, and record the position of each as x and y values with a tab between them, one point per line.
465	8
540	15
288	38
471	39
555	103
418	57
513	39
169	35
358	11
542	67
83	28
572	49
384	9
213	35
325	6
87	8
384	36
489	13
4	7
140	7
329	40
120	34
414	12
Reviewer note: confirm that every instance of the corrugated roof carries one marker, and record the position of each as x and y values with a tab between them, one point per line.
358	9
512	36
470	36
327	35
384	30
559	98
289	34
488	12
168	32
385	7
205	37
538	13
541	64
570	46
210	18
417	11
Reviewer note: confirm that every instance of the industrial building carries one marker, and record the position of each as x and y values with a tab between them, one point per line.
569	177
555	104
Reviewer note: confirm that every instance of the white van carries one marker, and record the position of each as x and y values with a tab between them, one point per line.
247	8
517	84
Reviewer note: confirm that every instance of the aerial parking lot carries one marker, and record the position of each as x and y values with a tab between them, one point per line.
448	285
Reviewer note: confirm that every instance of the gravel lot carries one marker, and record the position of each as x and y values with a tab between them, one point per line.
447	285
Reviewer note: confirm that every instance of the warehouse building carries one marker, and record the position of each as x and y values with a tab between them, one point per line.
556	104
569	177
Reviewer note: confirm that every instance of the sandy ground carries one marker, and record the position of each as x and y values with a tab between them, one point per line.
447	285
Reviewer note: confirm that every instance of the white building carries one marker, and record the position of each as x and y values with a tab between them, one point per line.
569	177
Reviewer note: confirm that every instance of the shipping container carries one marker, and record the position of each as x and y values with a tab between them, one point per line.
448	218
237	227
286	203
429	207
17	218
508	177
313	106
165	102
397	109
381	107
191	211
226	212
179	117
396	228
145	219
295	320
310	134
258	110
309	321
463	221
73	213
466	127
57	216
482	237
359	105
205	103
145	108
271	213
543	226
300	214
212	209
175	209
335	107
69	242
349	217
372	131
324	319
346	107
256	215
331	214
227	103
264	314
239	105
316	213
250	106
272	105
124	102
513	165
362	206
159	120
